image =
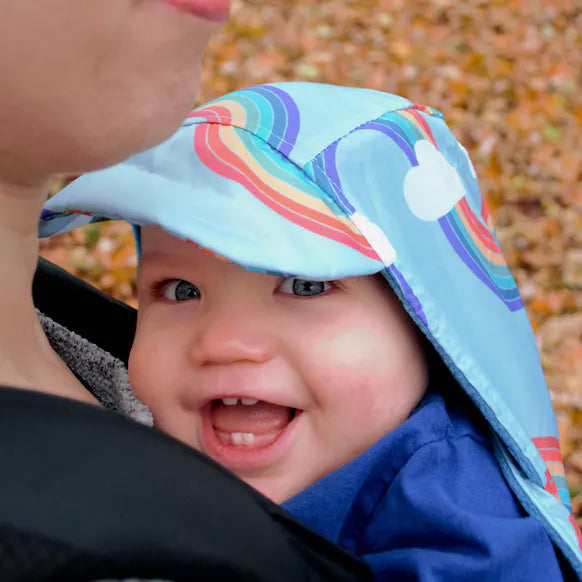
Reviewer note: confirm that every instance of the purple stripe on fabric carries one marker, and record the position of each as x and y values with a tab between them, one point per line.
409	295
509	295
47	214
329	160
496	273
513	304
278	121
398	139
293	121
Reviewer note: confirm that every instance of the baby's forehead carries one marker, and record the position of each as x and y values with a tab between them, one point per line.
157	246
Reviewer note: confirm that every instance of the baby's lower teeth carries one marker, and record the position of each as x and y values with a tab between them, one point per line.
242	438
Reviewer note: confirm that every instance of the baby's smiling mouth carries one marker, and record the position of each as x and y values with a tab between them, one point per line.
248	423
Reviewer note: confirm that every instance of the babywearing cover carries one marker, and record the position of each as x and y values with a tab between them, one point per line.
325	182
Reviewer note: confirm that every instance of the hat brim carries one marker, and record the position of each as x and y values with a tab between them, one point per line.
235	196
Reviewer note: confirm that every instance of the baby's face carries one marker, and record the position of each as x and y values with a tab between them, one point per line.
280	380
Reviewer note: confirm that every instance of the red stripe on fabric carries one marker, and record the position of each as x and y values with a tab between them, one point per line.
576	529
226	154
422	122
232	167
546	442
481	231
551	455
213	114
484	210
477	224
419	106
550	485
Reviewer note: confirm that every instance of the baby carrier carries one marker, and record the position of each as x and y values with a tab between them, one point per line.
88	495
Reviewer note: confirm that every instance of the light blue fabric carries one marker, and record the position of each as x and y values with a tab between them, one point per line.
327	182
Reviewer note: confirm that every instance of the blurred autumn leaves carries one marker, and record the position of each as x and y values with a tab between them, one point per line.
507	75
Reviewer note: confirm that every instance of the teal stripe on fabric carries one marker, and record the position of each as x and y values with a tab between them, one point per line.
563	491
403	127
261	116
279	167
500	274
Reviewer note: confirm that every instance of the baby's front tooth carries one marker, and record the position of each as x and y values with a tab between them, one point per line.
249	402
248	438
230	401
236	438
242	438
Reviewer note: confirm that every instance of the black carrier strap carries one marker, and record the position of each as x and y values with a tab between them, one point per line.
82	308
87	495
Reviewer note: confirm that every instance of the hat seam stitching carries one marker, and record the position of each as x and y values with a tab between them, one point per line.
221	120
225	121
316	162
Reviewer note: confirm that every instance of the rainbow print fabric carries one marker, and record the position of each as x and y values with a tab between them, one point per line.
270	116
326	182
471	235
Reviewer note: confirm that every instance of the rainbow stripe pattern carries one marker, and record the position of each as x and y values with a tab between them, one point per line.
266	111
555	483
239	156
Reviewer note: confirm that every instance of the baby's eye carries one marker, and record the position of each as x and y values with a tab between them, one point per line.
179	290
304	287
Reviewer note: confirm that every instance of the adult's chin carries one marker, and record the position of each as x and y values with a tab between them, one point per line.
129	130
95	138
108	146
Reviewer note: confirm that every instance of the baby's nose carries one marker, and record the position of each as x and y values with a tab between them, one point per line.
230	338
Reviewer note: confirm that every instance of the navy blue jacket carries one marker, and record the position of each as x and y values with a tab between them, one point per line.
428	502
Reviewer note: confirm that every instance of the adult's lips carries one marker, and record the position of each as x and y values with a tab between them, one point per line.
215	10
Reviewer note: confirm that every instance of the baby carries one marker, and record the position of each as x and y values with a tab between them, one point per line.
280	379
310	259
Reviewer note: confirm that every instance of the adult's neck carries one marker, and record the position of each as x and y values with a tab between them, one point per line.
26	357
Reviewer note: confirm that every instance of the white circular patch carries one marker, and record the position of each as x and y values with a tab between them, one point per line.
376	237
432	188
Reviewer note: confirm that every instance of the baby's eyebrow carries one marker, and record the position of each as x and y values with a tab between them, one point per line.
152	261
155	256
156	261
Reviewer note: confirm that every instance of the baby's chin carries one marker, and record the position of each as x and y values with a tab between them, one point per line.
276	488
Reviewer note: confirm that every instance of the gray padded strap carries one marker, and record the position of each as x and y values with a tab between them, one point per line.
103	374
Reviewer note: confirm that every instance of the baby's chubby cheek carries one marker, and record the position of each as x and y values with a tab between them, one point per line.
155	379
370	379
357	356
150	373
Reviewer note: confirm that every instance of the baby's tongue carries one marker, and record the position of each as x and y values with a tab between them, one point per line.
259	418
